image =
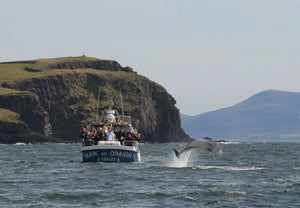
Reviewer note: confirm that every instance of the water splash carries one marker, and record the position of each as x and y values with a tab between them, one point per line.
180	162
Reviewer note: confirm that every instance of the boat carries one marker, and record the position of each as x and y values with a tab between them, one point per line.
125	149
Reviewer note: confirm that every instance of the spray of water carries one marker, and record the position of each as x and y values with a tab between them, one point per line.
182	161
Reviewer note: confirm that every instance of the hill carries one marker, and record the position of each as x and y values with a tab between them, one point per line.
50	99
270	114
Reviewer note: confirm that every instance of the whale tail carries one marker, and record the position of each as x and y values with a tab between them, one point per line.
176	153
207	144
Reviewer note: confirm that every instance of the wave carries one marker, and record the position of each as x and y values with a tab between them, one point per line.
230	143
20	143
183	162
229	168
235	192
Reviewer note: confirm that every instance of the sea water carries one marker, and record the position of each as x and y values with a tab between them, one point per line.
247	175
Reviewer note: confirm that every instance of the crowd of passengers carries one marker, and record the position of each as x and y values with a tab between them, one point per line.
91	136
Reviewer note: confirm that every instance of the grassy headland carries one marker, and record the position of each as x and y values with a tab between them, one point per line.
56	96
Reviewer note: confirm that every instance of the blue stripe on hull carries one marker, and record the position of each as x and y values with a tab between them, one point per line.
109	156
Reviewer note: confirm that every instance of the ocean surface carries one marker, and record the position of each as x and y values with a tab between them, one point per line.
247	175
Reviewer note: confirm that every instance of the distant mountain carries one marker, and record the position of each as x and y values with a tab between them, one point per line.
270	114
185	117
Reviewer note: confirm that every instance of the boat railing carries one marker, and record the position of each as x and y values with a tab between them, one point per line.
130	143
118	118
90	143
115	143
85	142
109	143
126	119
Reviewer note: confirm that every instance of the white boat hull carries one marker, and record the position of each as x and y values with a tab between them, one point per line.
107	151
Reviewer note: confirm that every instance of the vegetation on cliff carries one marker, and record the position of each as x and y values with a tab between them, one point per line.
55	97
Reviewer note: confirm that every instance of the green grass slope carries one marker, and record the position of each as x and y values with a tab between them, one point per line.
62	95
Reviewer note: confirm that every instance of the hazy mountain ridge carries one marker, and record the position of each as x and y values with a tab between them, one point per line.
268	114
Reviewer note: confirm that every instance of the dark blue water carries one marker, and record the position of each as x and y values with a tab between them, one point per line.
247	175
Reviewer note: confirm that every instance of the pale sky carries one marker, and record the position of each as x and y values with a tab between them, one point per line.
208	54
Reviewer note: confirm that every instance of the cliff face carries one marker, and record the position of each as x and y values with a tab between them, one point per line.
61	96
28	106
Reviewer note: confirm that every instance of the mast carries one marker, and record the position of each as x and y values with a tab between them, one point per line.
122	105
111	103
98	104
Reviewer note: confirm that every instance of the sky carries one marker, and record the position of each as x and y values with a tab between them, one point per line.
208	54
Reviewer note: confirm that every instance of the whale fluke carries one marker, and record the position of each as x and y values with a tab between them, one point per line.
176	153
205	143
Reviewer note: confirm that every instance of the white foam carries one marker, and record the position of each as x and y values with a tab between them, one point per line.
236	192
20	143
230	143
230	168
180	162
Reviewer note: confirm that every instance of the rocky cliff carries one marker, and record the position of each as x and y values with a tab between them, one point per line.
53	98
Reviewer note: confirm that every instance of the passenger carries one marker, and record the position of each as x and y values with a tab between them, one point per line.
130	137
102	135
105	127
121	135
97	136
90	138
129	140
110	135
133	135
138	137
83	134
94	131
116	139
131	129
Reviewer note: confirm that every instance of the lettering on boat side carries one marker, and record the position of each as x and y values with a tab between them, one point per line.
103	153
121	154
108	159
109	156
90	154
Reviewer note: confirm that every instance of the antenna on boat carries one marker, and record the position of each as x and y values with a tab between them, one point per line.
111	103
98	104
122	105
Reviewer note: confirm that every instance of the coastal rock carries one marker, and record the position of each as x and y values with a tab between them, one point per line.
60	96
14	127
27	105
